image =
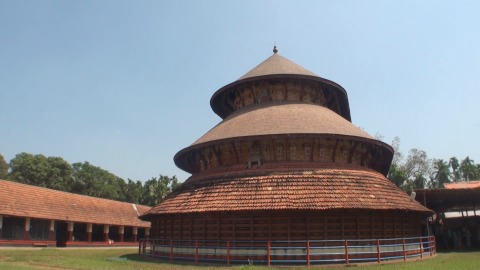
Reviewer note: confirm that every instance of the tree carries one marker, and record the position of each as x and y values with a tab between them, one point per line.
397	155
441	173
3	167
453	162
417	163
417	167
397	175
469	170
133	191
156	189
38	170
94	181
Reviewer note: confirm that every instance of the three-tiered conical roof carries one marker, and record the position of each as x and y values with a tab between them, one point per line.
286	141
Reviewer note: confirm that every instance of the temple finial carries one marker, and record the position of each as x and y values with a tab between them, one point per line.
275	49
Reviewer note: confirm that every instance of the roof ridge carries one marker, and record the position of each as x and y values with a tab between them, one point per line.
277	64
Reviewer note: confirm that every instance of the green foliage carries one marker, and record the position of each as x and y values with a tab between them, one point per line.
3	167
469	170
419	172
94	181
86	179
442	173
156	189
455	165
38	170
397	175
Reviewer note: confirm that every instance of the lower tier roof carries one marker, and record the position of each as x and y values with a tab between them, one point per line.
288	189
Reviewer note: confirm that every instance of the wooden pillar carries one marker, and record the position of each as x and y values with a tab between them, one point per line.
147	233
106	230
27	229
70	226
89	232
121	231
289	227
191	228
51	233
307	225
218	228
180	231
135	234
1	224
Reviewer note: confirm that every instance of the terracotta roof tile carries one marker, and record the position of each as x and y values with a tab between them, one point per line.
461	185
282	118
320	189
275	65
30	201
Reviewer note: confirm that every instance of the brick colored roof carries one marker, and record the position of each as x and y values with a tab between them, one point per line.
275	65
35	202
462	185
320	188
282	118
449	200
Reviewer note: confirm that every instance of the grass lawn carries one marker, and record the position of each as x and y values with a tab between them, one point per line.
124	258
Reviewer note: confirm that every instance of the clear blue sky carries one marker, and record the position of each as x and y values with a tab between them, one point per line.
126	84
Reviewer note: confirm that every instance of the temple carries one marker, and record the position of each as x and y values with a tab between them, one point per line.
284	168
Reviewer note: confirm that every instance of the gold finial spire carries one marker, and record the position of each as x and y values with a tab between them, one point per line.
275	49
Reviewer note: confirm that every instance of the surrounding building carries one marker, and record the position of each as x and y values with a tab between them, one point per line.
284	165
457	221
35	216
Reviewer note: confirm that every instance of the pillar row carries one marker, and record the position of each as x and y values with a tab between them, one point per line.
106	230
89	232
147	233
1	224
27	229
135	233
51	233
121	231
70	226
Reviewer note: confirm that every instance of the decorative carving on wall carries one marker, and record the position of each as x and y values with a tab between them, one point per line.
279	152
293	152
278	92
261	151
255	155
307	152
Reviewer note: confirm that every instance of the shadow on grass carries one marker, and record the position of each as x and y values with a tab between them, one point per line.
469	250
136	258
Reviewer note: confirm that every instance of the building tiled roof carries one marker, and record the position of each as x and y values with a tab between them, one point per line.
36	202
449	200
277	65
462	185
282	118
321	188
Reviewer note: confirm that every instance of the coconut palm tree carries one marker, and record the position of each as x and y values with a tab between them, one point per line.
455	166
441	172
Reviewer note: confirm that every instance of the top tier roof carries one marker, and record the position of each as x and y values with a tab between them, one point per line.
276	65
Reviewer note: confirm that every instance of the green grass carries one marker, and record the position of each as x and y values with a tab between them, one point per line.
122	259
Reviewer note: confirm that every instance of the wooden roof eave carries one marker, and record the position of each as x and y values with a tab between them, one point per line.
179	159
216	101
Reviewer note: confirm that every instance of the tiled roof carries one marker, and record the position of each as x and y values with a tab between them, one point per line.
289	189
461	185
282	118
35	202
276	65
